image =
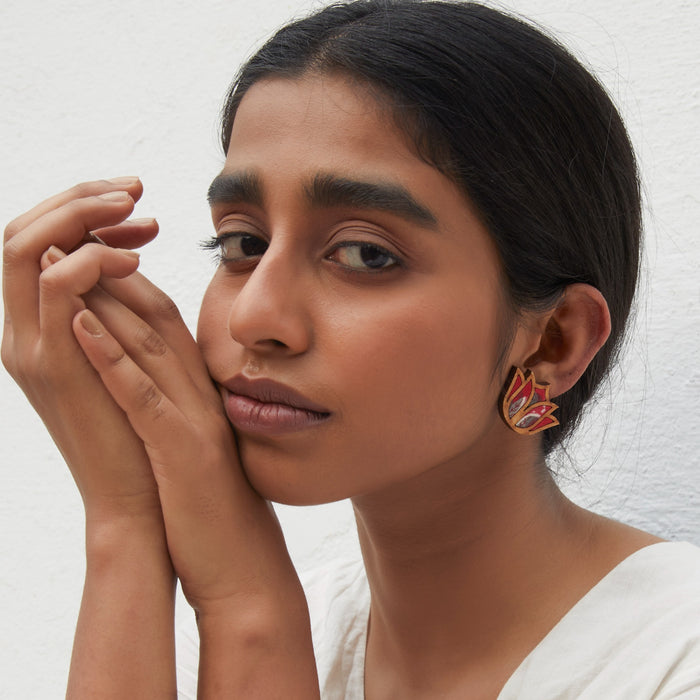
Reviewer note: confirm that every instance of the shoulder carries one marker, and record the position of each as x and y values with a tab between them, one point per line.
635	634
338	599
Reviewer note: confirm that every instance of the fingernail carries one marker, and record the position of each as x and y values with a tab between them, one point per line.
147	220
54	254
115	196
90	237
128	180
129	253
89	322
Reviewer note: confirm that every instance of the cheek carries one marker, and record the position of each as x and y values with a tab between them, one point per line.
419	377
212	324
410	373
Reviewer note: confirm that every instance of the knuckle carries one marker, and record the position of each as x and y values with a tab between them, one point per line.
37	367
12	253
115	355
149	398
52	280
94	250
150	342
44	371
12	229
7	356
13	361
73	208
164	307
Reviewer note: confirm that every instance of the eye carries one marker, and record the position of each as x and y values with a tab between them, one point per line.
237	247
363	257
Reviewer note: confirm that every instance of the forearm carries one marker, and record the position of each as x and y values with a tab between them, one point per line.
124	642
258	649
224	540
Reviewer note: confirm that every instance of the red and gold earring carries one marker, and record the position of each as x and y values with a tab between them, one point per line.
525	406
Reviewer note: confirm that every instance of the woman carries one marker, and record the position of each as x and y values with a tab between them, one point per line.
428	229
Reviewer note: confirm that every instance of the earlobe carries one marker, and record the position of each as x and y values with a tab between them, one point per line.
574	332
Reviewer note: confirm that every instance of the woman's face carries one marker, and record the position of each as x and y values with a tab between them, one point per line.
358	278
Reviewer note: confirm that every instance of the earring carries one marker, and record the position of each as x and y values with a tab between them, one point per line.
525	406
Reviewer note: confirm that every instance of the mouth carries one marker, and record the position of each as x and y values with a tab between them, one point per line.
263	406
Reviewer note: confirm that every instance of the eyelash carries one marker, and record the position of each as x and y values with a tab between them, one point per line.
217	243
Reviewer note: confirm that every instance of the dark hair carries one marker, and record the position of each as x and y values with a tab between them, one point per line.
505	111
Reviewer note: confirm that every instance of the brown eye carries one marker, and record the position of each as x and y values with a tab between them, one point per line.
236	247
364	257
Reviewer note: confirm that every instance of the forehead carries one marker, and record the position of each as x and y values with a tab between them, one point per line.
317	111
318	123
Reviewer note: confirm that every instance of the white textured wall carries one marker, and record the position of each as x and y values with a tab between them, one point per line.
90	89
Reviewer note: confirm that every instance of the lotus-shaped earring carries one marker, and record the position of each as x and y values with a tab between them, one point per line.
525	406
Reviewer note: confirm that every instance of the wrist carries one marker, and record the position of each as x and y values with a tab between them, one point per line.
125	542
127	611
255	615
270	640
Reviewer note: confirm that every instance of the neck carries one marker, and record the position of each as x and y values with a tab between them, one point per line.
460	561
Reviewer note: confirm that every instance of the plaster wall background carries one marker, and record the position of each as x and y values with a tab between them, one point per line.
93	90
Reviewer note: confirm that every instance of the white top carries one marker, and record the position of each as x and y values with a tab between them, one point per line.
634	636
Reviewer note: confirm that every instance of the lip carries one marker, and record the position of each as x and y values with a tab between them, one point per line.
264	406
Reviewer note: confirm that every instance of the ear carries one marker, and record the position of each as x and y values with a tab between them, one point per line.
573	333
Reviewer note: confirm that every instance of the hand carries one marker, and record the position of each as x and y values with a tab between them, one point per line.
39	349
223	538
122	623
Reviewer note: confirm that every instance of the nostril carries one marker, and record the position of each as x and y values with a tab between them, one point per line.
265	344
271	343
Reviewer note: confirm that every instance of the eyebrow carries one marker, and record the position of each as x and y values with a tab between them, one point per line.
327	190
232	188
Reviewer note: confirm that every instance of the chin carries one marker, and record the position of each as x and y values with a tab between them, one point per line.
292	482
287	494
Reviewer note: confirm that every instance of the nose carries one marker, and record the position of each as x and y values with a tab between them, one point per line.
270	313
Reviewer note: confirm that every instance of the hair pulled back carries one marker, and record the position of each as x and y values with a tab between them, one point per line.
505	111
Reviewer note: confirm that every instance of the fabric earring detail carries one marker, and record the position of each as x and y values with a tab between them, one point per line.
525	406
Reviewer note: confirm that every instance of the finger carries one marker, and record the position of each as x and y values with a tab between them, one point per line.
132	185
151	308
153	349
62	227
66	277
132	389
193	461
65	226
132	233
154	415
147	351
132	309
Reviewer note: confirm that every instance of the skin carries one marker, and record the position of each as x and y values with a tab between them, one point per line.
124	528
405	352
152	510
402	358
